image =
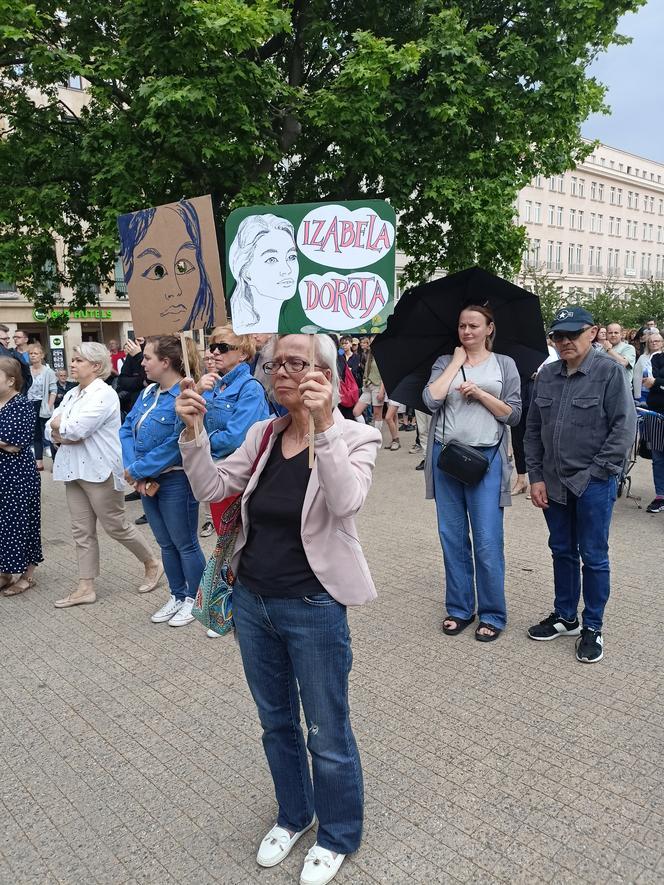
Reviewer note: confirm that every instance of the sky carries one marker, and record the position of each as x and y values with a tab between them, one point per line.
634	75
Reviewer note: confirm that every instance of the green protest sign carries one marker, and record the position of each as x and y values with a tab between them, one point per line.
311	267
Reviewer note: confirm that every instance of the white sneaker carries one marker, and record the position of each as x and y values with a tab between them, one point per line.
166	612
277	845
415	449
320	866
213	635
183	616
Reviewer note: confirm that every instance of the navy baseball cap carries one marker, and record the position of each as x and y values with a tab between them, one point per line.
571	319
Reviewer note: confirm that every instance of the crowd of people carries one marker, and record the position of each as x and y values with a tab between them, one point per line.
133	423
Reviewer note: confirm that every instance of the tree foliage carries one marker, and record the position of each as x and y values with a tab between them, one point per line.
444	107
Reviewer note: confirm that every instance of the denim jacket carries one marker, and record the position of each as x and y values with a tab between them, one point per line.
235	404
149	434
580	426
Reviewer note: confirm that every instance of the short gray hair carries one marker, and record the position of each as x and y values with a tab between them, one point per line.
97	354
326	356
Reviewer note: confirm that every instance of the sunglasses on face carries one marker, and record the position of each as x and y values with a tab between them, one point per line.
557	337
221	347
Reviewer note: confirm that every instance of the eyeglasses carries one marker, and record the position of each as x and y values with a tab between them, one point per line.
292	365
557	337
221	347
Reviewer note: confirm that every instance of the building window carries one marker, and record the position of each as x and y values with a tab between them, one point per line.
552	183
600	193
572	219
549	255
592	223
538	181
610	225
560	216
559	256
528	211
598	260
74	81
572	187
580	220
6	287
661	206
593	190
645	231
619	193
561	184
659	234
551	209
600	222
618	224
591	259
582	187
538	213
612	196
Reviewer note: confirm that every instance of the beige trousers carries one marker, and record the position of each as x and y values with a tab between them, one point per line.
92	501
423	421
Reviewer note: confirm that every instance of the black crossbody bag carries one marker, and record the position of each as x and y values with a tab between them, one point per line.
463	462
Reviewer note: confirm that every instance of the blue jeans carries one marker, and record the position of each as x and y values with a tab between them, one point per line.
579	530
658	472
458	505
305	643
173	517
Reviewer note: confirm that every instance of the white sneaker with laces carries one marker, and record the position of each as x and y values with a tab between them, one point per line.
213	635
320	866
277	845
207	529
166	612
183	616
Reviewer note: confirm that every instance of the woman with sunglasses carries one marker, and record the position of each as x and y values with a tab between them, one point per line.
298	563
234	399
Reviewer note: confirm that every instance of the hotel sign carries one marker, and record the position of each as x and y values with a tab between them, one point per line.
42	316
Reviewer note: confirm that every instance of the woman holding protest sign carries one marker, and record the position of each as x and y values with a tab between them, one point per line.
298	563
235	400
472	394
149	437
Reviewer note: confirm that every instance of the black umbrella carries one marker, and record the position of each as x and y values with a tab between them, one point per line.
424	326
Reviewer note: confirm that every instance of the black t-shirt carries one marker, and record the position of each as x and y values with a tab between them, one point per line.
273	560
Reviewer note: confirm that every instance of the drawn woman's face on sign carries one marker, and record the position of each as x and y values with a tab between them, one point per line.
273	271
169	269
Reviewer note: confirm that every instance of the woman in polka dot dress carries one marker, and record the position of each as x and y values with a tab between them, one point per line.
20	508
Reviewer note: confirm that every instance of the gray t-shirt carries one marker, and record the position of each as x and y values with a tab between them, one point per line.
36	391
466	420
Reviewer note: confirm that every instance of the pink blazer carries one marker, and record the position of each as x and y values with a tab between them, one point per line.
337	490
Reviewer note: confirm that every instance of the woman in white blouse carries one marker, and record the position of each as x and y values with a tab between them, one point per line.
89	462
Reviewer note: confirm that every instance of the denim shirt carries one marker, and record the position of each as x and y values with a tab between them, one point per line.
235	404
580	426
149	434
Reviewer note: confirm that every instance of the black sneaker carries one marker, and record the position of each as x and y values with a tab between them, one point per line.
132	496
553	627
655	506
142	520
590	647
420	466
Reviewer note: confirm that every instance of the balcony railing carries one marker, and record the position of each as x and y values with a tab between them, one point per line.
120	290
555	266
576	268
630	271
595	270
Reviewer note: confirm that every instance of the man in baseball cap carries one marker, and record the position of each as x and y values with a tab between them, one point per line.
581	424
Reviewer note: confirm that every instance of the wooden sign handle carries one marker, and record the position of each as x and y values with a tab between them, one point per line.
187	372
312	361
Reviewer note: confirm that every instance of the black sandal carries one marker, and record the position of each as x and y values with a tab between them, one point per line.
487	637
461	624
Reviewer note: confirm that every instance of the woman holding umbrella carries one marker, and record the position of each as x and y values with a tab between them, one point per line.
472	395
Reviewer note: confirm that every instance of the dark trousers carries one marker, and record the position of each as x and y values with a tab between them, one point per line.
40	426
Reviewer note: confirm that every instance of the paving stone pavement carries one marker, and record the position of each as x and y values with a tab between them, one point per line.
132	750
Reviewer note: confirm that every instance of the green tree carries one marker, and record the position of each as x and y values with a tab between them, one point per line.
607	305
549	292
644	302
444	107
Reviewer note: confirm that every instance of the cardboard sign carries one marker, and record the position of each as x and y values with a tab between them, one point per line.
171	267
311	267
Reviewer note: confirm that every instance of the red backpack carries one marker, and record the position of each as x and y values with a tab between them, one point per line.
349	392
